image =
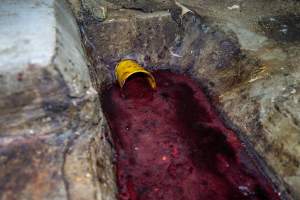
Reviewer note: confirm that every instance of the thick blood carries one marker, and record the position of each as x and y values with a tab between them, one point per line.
171	145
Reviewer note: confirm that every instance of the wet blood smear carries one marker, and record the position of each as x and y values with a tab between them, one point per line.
171	145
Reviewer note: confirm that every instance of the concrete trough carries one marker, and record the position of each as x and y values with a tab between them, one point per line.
57	57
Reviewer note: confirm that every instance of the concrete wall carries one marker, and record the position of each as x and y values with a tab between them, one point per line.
52	132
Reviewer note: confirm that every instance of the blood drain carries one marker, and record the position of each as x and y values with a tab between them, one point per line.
171	145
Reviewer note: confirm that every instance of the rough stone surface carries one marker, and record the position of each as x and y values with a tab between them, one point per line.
98	8
244	54
51	122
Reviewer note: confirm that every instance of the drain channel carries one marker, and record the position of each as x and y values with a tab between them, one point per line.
171	145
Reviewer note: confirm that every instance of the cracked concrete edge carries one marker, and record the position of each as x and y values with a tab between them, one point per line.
90	156
88	168
49	110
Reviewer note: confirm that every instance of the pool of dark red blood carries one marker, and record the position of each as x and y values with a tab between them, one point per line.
171	145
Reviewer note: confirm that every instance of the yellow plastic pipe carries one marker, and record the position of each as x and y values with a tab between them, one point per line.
126	68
